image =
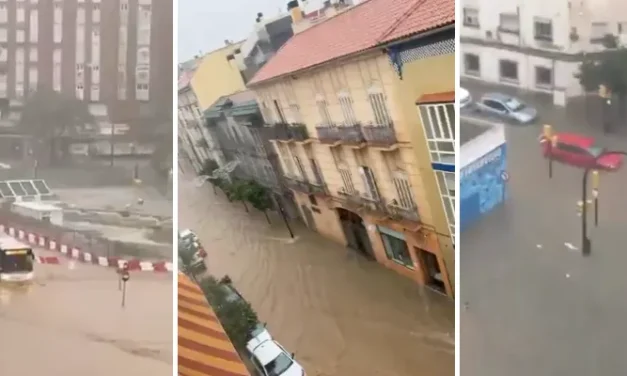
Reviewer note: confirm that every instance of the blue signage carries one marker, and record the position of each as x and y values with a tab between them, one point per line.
482	187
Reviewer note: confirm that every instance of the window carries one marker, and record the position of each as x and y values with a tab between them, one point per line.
379	107
20	36
312	200
347	179
495	105
395	247
598	31
33	33
571	149
20	15
369	182
316	171
543	29
57	31
3	35
509	23
508	70
95	14
471	64
346	104
446	183
4	15
544	77
403	190
80	16
471	17
32	54
301	169
143	37
279	111
438	122
284	154
622	28
323	111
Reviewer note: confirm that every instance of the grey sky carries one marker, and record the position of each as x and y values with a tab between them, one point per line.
205	24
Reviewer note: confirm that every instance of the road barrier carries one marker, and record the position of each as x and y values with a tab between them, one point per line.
72	252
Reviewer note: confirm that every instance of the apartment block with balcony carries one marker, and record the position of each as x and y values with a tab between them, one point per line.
537	45
236	124
334	103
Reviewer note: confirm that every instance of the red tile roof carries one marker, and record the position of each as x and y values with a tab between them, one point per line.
371	23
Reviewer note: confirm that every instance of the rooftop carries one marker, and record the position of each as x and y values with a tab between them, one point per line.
365	26
470	130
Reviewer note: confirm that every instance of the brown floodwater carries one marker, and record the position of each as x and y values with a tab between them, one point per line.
342	315
70	322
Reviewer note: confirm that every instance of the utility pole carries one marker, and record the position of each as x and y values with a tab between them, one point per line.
112	144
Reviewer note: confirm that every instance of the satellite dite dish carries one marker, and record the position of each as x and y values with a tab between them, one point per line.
219	173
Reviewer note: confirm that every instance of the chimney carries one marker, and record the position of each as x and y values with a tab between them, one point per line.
294	8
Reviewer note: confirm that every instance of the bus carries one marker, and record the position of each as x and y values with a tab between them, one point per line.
16	260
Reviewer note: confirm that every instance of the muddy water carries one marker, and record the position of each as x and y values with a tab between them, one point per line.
70	322
340	314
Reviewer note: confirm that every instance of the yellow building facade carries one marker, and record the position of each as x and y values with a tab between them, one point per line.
217	74
349	136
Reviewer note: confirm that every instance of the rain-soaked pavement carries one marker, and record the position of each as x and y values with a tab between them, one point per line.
340	314
536	307
70	322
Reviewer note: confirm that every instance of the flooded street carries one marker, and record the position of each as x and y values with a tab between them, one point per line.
70	322
340	314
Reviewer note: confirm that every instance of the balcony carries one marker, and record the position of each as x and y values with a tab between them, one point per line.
304	186
399	213
351	135
374	207
379	135
281	132
328	134
299	132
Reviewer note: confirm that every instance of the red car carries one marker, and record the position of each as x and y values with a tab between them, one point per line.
580	151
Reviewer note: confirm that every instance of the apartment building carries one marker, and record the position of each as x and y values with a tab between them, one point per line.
102	52
537	45
196	140
236	123
334	98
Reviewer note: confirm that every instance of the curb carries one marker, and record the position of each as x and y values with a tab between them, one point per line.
86	257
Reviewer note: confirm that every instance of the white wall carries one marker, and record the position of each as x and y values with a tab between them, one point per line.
480	146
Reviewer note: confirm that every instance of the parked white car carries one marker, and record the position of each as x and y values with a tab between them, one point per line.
269	357
465	99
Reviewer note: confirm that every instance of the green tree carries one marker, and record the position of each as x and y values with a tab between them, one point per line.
259	197
236	315
238	191
53	119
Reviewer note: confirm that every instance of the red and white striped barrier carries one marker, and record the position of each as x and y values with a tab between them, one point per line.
77	254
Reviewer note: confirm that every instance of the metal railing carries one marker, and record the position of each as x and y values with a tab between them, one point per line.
328	133
405	213
351	134
299	132
379	135
282	132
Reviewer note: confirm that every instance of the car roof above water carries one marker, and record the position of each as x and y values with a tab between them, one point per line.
267	351
497	96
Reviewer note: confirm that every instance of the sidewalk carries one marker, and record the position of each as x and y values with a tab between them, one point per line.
581	115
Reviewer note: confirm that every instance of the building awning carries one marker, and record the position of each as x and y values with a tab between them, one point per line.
203	346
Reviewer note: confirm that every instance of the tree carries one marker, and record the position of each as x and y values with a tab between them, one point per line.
238	191
236	315
259	197
209	167
52	119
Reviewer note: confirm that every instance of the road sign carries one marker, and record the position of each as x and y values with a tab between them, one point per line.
126	276
504	176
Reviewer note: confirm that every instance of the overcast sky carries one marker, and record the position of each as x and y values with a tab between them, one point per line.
204	25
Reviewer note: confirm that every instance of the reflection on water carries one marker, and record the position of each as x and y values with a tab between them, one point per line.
340	314
77	308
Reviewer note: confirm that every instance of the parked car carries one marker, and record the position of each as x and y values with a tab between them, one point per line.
507	108
189	243
465	99
270	358
580	151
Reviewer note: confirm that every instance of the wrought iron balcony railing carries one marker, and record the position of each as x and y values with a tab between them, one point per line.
351	134
328	134
379	135
399	212
282	132
299	132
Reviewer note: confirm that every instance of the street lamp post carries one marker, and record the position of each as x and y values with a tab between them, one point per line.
586	243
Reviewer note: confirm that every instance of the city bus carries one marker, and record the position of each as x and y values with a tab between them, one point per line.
16	260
